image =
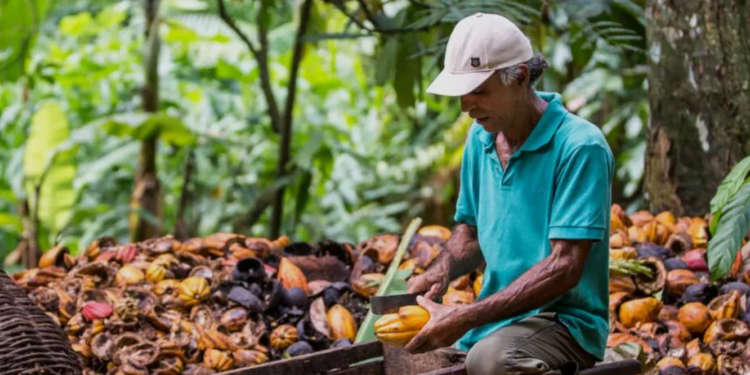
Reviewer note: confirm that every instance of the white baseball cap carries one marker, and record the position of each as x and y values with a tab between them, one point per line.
479	45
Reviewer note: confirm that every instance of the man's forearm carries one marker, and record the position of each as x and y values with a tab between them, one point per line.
540	285
461	253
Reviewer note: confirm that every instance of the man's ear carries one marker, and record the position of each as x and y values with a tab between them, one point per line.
525	76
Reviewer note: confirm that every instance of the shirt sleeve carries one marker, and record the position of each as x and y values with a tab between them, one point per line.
582	197
466	202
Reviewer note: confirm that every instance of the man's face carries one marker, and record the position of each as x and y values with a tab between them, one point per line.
493	105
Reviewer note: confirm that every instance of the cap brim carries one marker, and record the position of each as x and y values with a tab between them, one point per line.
451	84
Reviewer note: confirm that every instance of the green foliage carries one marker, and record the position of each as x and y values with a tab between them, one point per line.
21	20
49	168
727	189
730	208
145	125
370	150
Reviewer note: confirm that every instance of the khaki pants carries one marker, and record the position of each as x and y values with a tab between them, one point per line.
539	344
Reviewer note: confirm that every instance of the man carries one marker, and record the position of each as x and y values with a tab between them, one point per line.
533	205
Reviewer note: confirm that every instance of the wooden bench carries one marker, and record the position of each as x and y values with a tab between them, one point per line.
375	358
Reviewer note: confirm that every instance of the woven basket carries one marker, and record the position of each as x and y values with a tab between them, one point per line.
30	341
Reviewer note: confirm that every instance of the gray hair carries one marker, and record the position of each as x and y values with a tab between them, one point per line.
536	65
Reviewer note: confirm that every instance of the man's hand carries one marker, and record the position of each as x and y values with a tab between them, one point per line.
435	282
443	329
459	256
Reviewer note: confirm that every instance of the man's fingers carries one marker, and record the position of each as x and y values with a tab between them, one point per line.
427	303
433	292
416	285
414	345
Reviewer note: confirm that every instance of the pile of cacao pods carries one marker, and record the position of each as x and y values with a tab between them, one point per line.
213	304
228	301
662	298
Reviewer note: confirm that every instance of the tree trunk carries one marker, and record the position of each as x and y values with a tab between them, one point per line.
147	190
181	228
699	53
282	168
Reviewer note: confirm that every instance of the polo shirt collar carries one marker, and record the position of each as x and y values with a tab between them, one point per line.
543	131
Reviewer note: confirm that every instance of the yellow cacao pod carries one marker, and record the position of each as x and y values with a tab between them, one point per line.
624	253
657	232
725	306
155	273
460	282
619	239
283	336
668	362
399	328
667	219
193	290
636	234
247	358
478	284
616	223
217	360
620	283
455	297
342	323
128	275
641	310
435	231
704	361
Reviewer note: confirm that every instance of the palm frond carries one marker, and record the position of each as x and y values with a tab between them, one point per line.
203	23
611	33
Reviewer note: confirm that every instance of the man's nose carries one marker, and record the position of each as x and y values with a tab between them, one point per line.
467	103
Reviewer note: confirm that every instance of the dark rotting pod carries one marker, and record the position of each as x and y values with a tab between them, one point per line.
246	299
342	251
295	297
679	243
256	289
307	332
650	249
657	281
331	296
298	249
273	295
341	343
249	270
739	286
298	348
675	263
272	260
701	292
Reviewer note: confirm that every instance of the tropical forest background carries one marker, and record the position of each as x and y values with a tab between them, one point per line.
308	118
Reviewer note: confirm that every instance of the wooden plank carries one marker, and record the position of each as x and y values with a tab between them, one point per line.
314	363
453	370
369	368
625	367
399	362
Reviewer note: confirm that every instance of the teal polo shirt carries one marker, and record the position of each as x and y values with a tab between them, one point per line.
556	186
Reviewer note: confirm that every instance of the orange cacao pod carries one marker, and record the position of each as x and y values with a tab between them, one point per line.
342	323
695	317
290	276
